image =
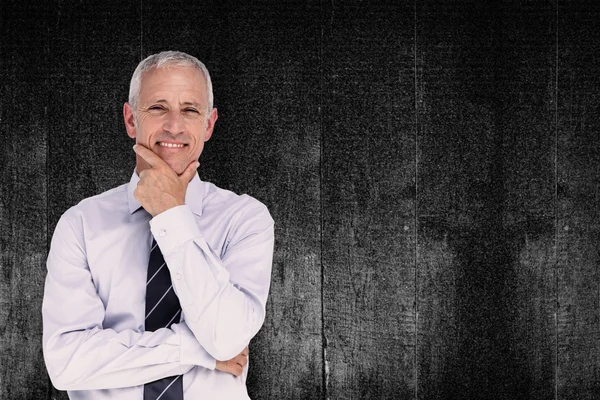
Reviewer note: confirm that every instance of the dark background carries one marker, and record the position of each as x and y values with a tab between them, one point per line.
432	167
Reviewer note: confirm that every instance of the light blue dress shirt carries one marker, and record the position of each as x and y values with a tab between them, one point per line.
219	250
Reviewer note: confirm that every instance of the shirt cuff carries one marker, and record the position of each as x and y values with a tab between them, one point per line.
190	350
174	227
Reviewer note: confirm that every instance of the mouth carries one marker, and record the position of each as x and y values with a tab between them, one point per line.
171	145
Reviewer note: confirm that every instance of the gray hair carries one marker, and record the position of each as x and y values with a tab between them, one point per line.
164	59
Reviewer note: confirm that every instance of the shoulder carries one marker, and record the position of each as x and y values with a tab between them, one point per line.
242	220
240	216
227	201
91	214
106	205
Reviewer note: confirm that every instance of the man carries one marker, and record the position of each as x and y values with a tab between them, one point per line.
155	288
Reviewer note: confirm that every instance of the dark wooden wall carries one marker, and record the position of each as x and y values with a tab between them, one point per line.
433	168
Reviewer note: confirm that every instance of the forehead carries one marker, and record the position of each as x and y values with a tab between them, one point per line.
173	81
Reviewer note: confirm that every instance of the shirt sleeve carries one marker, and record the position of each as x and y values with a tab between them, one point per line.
223	297
79	353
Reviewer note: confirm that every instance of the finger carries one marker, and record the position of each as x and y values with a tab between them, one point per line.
148	155
189	172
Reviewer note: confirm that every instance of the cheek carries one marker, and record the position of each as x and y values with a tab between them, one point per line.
143	118
198	147
199	137
148	127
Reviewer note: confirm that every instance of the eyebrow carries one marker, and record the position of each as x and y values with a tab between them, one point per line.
185	103
191	103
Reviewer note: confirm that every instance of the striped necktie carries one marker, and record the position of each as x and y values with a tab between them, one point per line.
162	310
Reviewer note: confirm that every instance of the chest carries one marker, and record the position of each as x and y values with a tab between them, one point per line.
118	257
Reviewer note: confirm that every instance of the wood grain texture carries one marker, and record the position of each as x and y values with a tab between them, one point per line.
23	194
368	200
338	115
92	54
578	168
457	253
263	60
485	200
527	93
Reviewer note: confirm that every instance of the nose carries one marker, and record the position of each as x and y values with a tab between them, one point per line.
174	122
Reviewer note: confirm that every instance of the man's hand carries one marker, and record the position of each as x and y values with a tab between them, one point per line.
160	188
236	365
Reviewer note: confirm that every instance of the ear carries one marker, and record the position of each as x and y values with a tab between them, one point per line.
129	119
212	119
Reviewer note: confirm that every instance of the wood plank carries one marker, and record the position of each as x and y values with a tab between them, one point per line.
93	51
263	59
578	282
456	143
368	199
23	194
529	123
485	283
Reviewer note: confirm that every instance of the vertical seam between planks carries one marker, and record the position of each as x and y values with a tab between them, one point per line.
141	30
416	308
47	53
323	337
556	242
46	118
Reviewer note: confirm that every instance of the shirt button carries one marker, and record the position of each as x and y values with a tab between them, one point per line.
162	233
177	276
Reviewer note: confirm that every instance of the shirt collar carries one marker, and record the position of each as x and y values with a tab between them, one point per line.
194	195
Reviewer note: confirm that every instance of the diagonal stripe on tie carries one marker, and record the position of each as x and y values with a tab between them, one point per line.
173	319
152	277
168	386
162	309
164	389
159	300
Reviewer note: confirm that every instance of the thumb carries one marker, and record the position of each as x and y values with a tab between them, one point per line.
189	172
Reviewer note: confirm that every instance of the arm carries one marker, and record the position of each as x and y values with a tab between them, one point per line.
79	353
223	299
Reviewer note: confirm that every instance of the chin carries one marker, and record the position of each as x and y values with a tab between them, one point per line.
180	168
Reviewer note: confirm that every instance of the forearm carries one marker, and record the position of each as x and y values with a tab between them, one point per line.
104	359
79	353
224	309
223	318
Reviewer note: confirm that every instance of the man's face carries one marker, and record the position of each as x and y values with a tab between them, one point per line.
172	116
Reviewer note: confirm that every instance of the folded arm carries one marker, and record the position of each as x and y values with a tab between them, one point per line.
79	353
223	296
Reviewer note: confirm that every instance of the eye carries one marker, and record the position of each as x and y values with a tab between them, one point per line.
191	110
156	108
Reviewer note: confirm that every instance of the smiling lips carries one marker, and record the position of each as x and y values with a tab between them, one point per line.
171	145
